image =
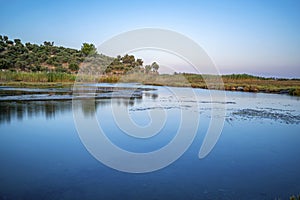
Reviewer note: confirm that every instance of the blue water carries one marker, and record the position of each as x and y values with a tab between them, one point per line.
42	156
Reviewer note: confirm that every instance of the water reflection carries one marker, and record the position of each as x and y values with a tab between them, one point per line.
30	109
152	95
82	91
19	110
255	158
89	106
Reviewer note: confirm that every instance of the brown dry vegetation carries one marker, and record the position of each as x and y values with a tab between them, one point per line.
238	82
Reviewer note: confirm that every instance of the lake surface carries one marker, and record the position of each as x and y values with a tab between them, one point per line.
256	156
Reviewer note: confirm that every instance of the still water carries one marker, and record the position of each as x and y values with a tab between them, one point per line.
256	156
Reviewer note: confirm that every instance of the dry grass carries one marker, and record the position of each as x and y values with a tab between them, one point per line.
241	82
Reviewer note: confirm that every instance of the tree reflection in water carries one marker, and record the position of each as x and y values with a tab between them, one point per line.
30	109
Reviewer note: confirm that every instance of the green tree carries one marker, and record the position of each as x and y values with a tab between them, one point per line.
88	49
4	64
18	42
155	66
60	69
147	69
74	66
2	46
128	59
9	42
116	62
119	58
50	44
139	62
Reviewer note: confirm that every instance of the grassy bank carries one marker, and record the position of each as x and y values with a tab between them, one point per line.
238	82
42	77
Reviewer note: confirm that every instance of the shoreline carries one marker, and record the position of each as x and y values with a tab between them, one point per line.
233	87
233	82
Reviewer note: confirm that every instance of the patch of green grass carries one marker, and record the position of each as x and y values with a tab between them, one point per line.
9	76
294	91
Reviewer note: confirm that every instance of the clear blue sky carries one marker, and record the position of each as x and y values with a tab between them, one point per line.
259	36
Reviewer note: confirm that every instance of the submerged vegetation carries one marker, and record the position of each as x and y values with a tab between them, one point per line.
31	64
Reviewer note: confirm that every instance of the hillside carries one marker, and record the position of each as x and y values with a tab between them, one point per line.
18	57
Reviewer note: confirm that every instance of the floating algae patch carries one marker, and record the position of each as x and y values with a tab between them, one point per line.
272	114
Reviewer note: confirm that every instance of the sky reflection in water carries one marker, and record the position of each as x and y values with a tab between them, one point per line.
256	156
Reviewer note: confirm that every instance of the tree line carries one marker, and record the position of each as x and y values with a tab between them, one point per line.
46	57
